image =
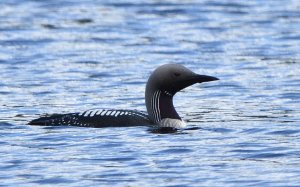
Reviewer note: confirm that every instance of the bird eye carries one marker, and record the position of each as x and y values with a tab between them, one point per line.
177	74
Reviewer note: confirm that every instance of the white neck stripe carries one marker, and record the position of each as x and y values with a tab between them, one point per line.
155	106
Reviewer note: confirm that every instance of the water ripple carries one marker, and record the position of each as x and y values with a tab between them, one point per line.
61	56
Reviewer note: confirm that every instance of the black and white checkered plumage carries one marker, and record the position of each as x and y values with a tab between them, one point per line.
96	118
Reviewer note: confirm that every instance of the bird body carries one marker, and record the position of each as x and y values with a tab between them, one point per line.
161	87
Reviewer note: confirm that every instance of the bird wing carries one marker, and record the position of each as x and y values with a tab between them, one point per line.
96	118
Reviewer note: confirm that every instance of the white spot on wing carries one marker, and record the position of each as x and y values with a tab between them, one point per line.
117	113
103	113
87	113
93	113
113	113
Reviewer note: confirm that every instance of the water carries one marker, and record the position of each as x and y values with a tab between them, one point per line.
64	56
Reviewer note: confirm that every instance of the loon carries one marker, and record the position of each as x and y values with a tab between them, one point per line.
161	87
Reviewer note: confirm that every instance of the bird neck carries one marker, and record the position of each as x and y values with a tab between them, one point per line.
160	106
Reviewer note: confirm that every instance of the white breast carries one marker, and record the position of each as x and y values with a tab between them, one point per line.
175	123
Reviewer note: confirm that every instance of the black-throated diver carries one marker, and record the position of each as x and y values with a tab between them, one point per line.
162	85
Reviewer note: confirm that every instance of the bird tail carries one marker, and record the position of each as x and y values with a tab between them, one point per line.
46	120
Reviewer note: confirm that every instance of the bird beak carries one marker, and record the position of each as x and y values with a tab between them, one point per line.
205	78
195	78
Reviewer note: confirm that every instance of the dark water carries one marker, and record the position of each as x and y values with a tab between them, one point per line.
67	56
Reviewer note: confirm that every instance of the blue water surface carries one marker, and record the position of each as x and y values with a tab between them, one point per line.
69	56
